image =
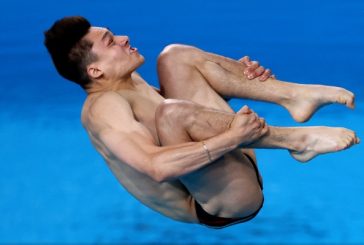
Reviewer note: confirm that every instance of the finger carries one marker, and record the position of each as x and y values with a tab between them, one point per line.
252	119
259	71
245	60
263	124
265	129
253	65
262	121
266	74
249	71
266	126
255	124
273	76
256	118
259	124
251	111
244	110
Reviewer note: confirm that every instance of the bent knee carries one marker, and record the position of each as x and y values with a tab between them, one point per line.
173	54
174	111
168	108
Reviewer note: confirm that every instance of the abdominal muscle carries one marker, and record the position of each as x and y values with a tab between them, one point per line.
226	188
168	198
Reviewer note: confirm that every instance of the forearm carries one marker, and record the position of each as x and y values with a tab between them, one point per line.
174	161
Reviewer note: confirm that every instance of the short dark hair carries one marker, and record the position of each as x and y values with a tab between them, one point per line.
70	53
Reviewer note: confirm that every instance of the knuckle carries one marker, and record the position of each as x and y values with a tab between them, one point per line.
254	64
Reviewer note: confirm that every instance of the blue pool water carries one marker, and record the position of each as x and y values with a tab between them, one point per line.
54	187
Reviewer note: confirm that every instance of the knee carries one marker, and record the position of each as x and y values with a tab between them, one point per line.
165	110
173	112
177	53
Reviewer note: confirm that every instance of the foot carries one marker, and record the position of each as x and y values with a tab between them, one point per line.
307	99
319	140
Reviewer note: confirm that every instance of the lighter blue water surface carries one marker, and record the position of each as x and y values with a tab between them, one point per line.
54	187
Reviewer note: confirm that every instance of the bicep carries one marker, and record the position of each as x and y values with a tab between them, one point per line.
133	148
122	138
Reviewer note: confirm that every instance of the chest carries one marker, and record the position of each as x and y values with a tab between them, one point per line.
144	103
144	108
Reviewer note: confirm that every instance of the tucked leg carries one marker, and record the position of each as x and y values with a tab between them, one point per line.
229	187
186	72
180	78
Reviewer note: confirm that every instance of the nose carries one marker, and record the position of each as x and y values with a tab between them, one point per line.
124	40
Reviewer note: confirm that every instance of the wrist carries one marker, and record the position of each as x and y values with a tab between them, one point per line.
207	151
233	140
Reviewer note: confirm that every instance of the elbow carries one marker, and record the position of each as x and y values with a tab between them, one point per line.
159	172
159	175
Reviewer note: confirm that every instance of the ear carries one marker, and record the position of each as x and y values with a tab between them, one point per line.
94	72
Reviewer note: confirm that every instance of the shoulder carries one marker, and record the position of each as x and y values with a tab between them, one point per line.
107	108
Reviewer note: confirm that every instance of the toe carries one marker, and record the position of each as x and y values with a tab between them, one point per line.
348	142
350	100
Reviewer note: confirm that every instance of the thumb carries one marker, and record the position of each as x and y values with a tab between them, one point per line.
244	110
245	60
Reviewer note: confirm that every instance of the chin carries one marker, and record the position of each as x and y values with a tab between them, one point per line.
140	60
136	64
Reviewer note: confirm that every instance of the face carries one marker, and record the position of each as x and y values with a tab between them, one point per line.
116	58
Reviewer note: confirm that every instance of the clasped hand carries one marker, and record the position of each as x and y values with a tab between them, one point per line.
247	126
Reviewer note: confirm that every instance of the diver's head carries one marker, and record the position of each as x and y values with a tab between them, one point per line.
85	54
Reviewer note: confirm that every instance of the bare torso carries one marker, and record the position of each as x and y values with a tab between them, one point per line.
220	187
168	198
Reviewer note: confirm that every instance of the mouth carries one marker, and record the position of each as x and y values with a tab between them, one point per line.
132	50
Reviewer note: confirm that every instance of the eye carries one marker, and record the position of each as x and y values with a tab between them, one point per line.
111	41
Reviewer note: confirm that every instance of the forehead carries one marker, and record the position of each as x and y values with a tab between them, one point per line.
95	33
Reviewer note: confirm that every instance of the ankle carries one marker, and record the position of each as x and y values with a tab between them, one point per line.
299	142
286	93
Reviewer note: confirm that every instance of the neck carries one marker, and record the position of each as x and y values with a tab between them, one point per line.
104	85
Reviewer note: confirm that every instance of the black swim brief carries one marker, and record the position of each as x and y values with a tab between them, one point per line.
220	222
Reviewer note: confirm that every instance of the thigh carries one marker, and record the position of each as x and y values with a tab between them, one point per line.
230	183
180	79
229	187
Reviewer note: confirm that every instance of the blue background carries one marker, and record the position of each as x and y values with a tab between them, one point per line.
54	187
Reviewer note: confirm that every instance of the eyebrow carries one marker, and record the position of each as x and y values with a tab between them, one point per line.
107	33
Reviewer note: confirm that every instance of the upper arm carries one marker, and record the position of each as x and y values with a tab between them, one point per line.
112	122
